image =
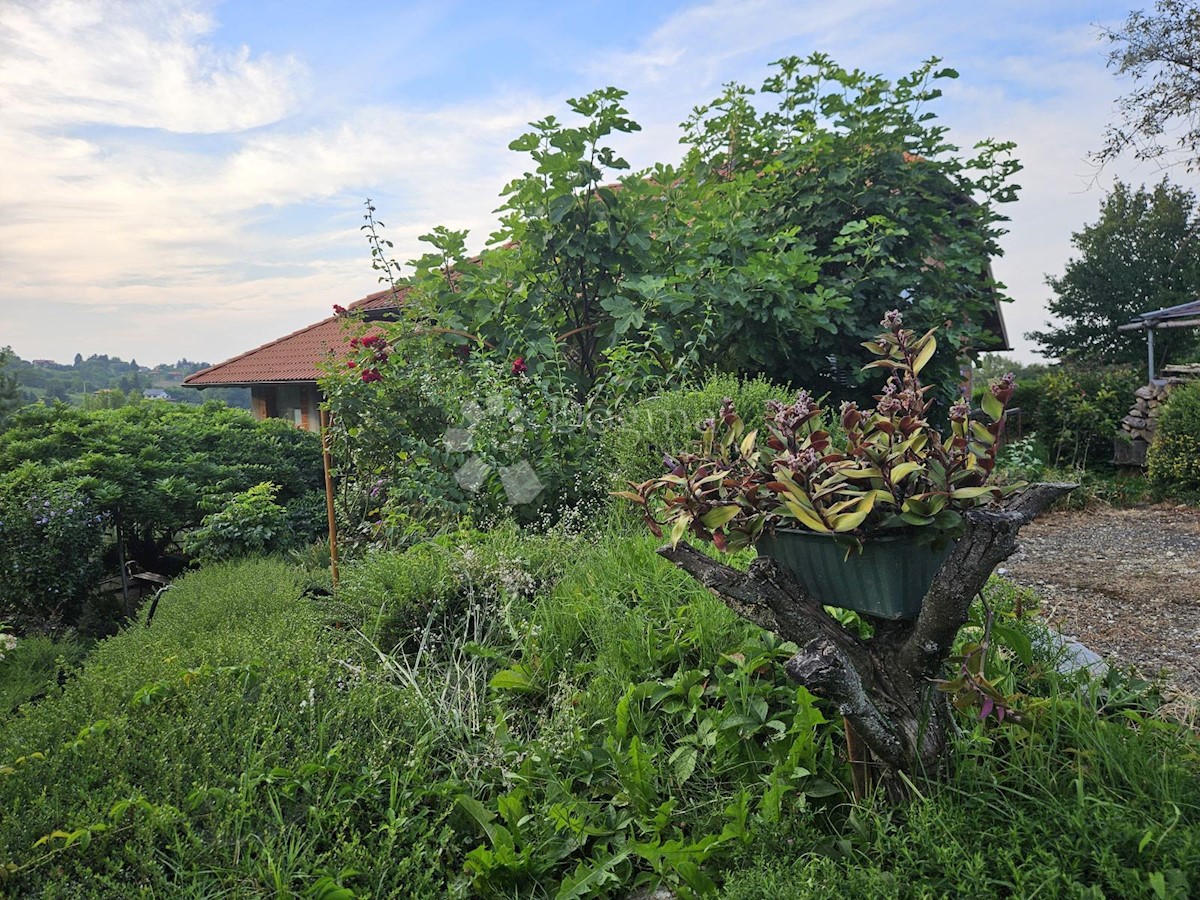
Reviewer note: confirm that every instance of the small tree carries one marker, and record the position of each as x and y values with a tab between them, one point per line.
10	388
1159	52
773	247
1140	255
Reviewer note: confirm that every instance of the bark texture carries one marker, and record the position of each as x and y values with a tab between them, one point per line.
882	685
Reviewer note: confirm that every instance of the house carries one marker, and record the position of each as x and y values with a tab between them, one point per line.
282	375
155	394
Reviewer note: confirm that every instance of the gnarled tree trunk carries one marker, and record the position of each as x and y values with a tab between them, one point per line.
883	685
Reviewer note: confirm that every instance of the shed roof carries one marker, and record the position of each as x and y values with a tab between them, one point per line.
1157	317
294	357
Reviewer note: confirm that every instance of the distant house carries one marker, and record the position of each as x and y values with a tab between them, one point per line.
282	375
155	394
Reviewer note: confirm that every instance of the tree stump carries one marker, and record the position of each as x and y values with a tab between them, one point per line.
882	685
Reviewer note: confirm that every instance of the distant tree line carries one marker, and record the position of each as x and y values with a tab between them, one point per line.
100	381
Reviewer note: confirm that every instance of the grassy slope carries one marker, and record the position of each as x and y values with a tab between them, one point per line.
269	755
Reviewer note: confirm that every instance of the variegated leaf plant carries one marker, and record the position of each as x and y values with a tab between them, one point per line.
890	470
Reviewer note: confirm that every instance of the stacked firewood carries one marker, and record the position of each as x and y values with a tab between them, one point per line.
1142	419
1137	428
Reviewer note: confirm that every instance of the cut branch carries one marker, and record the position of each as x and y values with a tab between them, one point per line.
824	670
991	537
882	685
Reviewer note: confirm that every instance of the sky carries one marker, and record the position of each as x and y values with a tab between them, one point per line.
185	178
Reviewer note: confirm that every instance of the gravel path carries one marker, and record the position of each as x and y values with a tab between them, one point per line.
1125	582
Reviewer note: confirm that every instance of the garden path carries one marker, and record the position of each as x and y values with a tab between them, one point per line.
1125	582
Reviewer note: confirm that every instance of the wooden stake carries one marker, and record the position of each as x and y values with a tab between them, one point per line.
327	463
858	765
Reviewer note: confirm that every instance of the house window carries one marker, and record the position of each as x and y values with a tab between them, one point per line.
292	405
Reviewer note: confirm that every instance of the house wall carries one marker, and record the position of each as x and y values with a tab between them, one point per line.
298	403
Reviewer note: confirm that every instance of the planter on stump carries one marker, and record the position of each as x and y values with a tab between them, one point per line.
888	579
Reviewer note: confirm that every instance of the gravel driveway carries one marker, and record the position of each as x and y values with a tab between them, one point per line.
1125	582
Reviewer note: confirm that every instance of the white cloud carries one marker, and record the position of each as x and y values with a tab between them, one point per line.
148	169
141	65
115	228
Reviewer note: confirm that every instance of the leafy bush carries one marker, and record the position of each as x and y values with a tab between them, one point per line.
33	666
1174	456
153	470
249	524
774	246
1076	413
50	543
392	596
423	437
635	446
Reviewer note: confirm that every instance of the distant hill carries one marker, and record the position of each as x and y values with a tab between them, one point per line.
101	380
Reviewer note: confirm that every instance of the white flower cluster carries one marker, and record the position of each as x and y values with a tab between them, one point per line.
8	642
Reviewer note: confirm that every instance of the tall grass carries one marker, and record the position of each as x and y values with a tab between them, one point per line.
505	715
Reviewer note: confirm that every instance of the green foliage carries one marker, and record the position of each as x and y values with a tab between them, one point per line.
772	248
646	431
892	470
10	393
567	719
1174	456
1139	256
422	437
1021	460
153	470
249	524
391	596
50	543
1076	412
820	203
554	291
33	666
215	753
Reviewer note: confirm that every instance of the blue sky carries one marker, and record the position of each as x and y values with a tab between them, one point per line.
185	178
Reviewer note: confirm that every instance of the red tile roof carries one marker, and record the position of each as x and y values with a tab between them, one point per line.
294	357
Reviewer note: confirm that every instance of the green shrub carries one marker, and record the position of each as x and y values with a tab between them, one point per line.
50	542
33	666
432	437
1076	413
249	524
1174	456
634	447
153	470
392	596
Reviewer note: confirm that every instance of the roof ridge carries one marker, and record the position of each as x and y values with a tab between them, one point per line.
357	304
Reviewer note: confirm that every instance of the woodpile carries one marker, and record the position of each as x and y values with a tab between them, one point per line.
1137	428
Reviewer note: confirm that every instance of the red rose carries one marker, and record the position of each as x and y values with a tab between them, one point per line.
351	364
369	375
339	310
519	367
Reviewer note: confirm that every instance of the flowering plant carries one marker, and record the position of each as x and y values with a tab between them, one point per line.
891	469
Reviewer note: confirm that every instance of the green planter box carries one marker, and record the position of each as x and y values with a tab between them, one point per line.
888	579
